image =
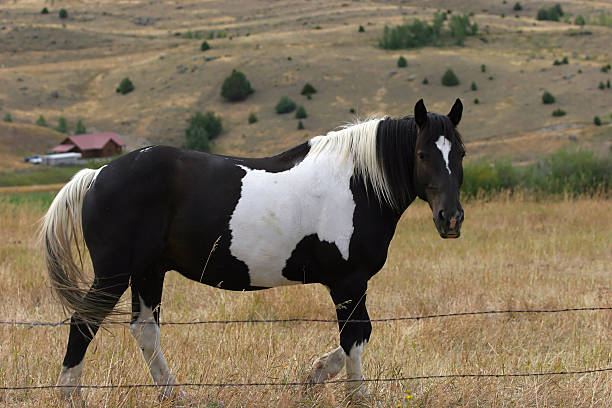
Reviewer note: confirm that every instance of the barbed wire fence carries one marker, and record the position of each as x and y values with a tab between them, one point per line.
65	322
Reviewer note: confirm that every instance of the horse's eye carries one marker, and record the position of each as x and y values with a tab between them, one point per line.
421	155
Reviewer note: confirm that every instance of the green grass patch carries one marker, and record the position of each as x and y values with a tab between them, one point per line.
38	176
42	175
38	199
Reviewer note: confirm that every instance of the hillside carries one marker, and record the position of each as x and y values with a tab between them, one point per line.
71	67
23	139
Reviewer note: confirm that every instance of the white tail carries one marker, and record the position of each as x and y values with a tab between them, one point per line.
61	225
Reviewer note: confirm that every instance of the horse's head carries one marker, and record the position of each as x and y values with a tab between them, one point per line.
438	170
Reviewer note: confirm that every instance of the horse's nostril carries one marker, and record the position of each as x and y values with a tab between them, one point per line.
441	215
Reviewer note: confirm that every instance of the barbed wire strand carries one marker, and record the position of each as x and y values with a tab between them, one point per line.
66	321
305	383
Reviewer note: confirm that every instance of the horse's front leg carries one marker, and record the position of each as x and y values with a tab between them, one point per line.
355	328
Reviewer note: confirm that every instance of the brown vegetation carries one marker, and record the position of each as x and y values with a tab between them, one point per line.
513	254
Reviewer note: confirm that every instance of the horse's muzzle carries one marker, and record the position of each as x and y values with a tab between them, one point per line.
449	227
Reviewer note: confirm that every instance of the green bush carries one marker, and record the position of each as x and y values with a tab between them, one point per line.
579	20
551	14
563	172
473	87
208	121
483	176
300	125
558	112
449	78
300	113
517	7
308	89
606	68
63	13
483	68
80	128
204	46
425	81
7	117
361	29
62	125
547	98
44	11
41	121
236	87
476	101
420	33
461	28
579	172
401	62
601	85
608	84
285	105
252	118
597	121
196	138
125	86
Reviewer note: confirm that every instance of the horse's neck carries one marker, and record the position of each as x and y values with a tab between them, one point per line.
396	141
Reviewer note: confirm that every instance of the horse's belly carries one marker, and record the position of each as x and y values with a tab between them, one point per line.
278	210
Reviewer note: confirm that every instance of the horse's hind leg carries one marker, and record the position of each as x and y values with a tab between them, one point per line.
146	299
100	301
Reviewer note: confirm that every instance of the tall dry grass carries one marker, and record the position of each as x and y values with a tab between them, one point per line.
514	253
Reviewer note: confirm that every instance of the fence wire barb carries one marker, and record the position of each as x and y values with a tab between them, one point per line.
304	383
67	321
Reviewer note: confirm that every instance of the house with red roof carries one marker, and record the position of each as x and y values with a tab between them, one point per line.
92	145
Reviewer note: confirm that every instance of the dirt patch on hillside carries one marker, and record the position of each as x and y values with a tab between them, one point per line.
71	68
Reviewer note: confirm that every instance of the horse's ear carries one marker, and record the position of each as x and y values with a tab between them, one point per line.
456	111
420	113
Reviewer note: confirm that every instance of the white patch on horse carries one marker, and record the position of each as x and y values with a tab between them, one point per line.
444	145
146	149
328	366
146	332
353	362
277	210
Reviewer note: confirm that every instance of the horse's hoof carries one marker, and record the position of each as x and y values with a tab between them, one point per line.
357	392
327	366
176	398
72	397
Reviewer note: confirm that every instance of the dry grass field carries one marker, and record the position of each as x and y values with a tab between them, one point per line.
514	253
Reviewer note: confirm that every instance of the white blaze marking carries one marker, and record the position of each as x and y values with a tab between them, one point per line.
146	333
277	210
444	145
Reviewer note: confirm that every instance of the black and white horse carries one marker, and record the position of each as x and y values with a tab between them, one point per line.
324	211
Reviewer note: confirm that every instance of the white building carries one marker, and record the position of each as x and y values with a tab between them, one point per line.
61	159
